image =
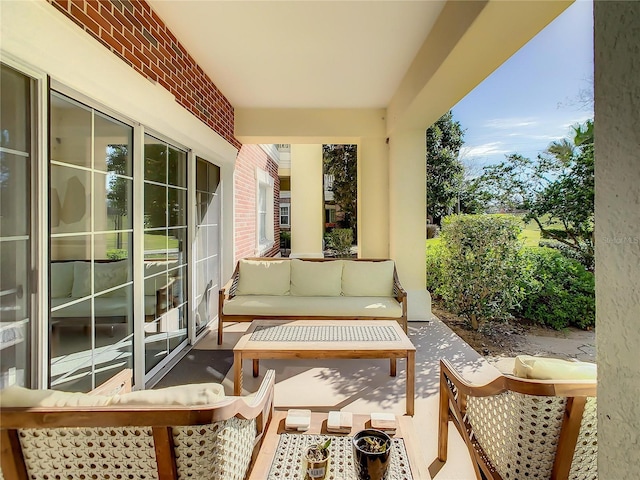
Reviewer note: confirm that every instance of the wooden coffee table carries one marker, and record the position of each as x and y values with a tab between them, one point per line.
267	454
286	339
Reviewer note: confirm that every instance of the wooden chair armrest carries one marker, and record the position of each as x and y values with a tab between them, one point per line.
398	291
229	288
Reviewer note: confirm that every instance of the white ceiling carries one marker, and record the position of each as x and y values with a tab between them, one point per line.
302	54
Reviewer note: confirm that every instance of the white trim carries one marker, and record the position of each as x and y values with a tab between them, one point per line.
288	206
271	150
264	180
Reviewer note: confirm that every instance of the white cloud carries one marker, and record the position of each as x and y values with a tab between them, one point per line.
483	150
511	122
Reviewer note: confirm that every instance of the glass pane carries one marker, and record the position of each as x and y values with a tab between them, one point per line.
176	326
155	206
201	242
15	110
114	333
201	175
71	354
178	282
177	207
177	168
155	160
155	245
70	200
177	253
112	141
156	292
113	246
70	131
15	313
114	212
213	239
156	347
15	190
111	274
14	281
76	247
214	178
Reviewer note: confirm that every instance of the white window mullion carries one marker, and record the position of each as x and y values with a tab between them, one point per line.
192	212
138	257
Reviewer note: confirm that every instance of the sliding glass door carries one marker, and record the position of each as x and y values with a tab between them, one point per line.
207	243
165	249
17	245
91	235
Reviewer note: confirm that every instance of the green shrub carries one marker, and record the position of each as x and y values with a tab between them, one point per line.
285	239
435	272
558	290
340	240
480	266
585	259
117	254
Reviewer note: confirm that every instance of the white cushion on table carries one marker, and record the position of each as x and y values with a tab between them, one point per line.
367	279
316	279
540	368
386	307
264	277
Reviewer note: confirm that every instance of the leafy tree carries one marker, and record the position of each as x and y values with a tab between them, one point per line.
444	168
555	189
341	161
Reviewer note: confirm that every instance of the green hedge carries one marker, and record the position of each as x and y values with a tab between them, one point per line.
558	291
481	271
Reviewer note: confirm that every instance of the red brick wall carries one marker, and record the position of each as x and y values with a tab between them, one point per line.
135	33
249	159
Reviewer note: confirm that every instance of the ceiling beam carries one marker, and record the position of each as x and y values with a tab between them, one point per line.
468	42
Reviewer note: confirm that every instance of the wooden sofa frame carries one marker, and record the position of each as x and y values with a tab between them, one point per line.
228	291
454	392
161	419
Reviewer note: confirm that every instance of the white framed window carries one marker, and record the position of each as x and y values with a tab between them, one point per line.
264	211
285	209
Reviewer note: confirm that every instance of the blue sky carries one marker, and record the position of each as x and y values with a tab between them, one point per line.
532	99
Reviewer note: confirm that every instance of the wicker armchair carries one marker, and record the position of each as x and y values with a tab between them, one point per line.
518	428
218	441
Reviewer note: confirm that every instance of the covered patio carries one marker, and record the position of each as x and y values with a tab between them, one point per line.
411	62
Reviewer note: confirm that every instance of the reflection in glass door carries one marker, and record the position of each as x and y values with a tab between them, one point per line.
16	235
91	293
165	250
207	243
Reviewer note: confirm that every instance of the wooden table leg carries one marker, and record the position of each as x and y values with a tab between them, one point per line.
411	382
237	373
393	369
256	367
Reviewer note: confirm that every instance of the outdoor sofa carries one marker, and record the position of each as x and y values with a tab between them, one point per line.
312	288
187	431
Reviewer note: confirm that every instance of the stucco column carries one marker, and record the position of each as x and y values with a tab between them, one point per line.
307	201
407	217
617	229
373	198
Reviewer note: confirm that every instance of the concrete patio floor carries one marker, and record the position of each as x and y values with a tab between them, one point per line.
364	386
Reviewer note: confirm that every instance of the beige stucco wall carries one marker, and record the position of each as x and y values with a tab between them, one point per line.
617	113
307	211
373	198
